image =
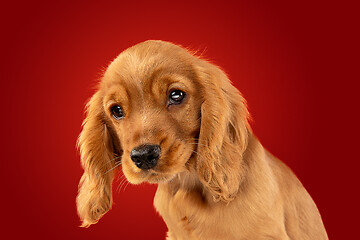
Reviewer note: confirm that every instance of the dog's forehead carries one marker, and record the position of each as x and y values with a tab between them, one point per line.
138	66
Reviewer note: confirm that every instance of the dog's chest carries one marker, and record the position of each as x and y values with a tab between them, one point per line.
183	213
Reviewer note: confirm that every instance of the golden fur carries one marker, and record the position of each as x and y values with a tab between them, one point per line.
215	180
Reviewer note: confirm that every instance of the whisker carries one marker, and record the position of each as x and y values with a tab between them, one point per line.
198	153
194	143
111	160
123	181
116	165
119	178
200	144
126	185
190	139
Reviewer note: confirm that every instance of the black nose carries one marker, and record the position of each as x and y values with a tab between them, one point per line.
145	156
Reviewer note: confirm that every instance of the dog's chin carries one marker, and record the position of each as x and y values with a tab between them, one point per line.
138	176
159	177
149	176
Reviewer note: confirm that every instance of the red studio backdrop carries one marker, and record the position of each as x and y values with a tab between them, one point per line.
296	64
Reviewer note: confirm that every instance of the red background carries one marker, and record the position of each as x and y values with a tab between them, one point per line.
296	64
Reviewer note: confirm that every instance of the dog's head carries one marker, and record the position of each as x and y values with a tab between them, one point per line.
161	111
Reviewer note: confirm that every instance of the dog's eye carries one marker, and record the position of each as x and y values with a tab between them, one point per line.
117	112
176	97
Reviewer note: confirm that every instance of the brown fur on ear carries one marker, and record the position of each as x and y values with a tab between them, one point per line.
223	134
97	149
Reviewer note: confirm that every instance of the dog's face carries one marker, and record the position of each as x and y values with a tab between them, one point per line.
152	103
161	111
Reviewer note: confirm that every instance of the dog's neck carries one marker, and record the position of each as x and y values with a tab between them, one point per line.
186	181
189	182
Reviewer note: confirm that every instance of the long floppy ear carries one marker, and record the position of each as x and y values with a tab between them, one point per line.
223	134
98	148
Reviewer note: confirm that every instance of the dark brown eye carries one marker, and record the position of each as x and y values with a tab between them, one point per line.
176	97
117	112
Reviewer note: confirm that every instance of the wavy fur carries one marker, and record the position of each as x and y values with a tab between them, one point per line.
215	179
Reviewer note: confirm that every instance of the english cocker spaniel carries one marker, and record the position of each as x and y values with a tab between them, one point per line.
171	118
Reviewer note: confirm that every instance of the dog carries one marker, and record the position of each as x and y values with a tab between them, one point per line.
171	118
